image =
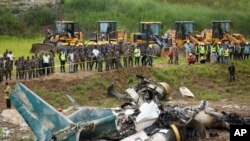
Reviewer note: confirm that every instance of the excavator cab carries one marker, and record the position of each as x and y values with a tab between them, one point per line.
183	29
219	28
107	30
150	28
66	27
146	31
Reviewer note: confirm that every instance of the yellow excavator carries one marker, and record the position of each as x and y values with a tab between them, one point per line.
108	33
220	32
184	31
65	33
149	33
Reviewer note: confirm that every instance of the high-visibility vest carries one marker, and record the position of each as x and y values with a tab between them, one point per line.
62	57
7	92
137	52
226	53
213	49
202	50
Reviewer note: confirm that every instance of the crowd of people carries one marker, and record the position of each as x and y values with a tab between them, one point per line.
109	57
91	57
216	52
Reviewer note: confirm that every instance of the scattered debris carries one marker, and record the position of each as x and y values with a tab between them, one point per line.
142	117
185	92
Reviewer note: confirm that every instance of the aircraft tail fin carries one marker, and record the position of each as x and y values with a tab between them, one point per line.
44	120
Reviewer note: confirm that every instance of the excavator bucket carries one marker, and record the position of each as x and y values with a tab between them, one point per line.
42	47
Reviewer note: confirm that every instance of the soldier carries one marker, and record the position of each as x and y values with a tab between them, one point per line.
130	57
40	64
143	54
32	67
126	56
82	60
76	61
52	62
89	59
37	65
22	68
150	53
107	60
18	68
8	69
100	60
27	68
176	54
1	69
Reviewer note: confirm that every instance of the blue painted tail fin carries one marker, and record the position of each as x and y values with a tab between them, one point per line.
43	119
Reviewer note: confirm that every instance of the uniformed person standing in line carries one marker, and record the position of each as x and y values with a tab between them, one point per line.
52	62
27	68
33	67
89	59
137	53
100	60
22	67
82	60
130	57
18	68
150	53
107	60
126	56
1	69
176	54
37	65
8	69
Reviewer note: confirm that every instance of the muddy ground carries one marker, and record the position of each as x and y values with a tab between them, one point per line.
58	81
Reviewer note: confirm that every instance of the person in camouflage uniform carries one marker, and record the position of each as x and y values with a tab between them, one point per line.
107	60
76	61
176	54
22	64
18	68
37	65
89	59
126	56
40	60
32	72
149	55
27	67
52	63
130	57
8	69
1	69
82	60
100	60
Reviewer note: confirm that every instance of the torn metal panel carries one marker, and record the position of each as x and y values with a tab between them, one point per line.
95	122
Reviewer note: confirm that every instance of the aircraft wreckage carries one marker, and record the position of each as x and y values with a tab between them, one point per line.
143	118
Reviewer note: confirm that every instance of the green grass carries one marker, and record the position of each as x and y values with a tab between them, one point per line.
18	46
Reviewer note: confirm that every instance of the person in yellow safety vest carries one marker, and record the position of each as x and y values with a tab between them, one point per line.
62	58
46	61
137	53
220	54
7	95
202	49
213	52
226	55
